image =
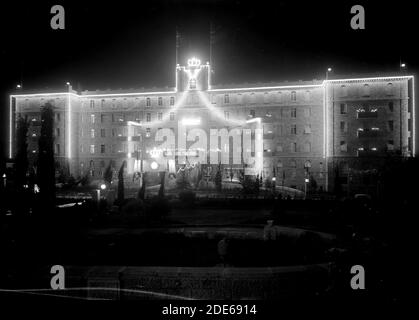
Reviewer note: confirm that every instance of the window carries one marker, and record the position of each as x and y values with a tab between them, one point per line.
113	117
226	98
192	84
307	95
172	101
172	116
92	118
160	101
293	164
344	90
102	118
343	127
293	96
307	129
390	145
102	103
293	147
92	133
226	115
57	148
113	132
389	89
160	116
390	125
307	164
92	103
307	112
103	133
279	148
102	148
391	106
148	132
294	129
148	102
343	108
148	117
252	113
307	147
57	132
366	90
343	146
92	148
58	116
294	113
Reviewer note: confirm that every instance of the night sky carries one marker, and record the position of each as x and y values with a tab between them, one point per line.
124	44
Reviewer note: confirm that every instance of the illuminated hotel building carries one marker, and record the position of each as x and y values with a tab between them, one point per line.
311	129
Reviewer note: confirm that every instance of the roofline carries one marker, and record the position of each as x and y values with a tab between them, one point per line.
210	90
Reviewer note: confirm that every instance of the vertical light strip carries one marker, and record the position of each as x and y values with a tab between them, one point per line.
10	126
413	119
69	126
325	134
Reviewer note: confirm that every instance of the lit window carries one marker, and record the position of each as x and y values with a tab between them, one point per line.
172	101
307	129
192	84
92	103
92	118
160	116
103	133
102	148
148	132
148	119
389	89
92	148
160	101
92	133
172	116
366	90
102	103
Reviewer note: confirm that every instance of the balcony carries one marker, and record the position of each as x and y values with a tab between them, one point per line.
368	133
371	114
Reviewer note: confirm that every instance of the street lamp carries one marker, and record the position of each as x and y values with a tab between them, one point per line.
19	86
154	165
327	72
306	180
402	66
101	187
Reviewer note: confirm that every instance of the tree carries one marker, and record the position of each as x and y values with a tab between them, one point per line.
46	164
141	192
22	151
121	183
218	178
162	178
108	174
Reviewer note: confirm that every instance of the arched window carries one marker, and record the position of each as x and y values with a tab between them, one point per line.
389	89
366	90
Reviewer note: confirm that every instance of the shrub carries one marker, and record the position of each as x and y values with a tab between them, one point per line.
187	197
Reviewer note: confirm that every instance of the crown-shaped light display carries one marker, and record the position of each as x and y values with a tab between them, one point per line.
194	62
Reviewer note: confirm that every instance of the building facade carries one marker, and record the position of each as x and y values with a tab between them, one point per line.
300	131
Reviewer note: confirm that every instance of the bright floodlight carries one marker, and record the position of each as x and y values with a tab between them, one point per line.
154	165
306	180
133	123
191	121
68	83
329	69
18	86
194	62
254	120
103	186
403	65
